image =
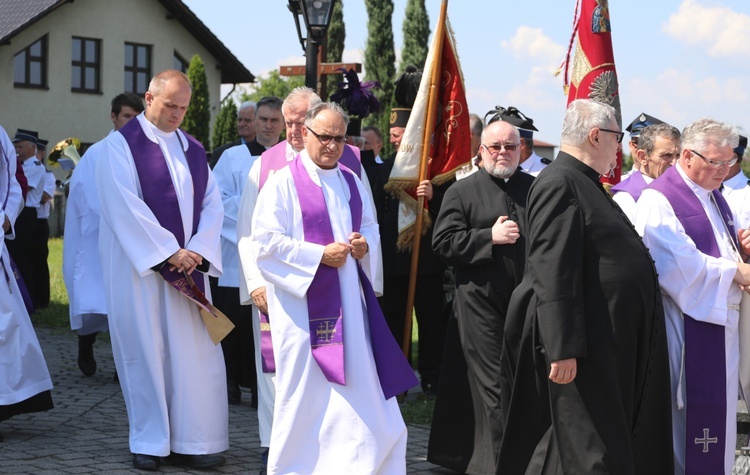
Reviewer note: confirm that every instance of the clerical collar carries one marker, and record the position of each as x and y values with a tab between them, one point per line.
578	165
699	191
290	152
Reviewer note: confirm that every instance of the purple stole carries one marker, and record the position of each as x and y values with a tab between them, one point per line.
159	193
633	185
273	160
324	295
705	357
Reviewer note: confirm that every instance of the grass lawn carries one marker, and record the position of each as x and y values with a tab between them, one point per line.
415	410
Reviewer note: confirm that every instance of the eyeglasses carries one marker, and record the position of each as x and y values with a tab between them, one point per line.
326	139
716	163
495	149
619	134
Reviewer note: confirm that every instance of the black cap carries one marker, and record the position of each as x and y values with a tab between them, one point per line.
26	135
740	149
513	116
41	144
404	95
640	123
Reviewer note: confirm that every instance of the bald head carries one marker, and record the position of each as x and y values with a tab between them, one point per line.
167	100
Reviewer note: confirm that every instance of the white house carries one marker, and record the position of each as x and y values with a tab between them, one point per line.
62	61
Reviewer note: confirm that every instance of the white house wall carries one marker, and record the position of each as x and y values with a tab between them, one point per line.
57	113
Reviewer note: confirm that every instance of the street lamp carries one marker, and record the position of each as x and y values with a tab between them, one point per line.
316	15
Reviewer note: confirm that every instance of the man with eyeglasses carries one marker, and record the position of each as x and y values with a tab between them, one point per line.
338	367
480	232
530	162
585	353
736	187
700	257
252	286
658	149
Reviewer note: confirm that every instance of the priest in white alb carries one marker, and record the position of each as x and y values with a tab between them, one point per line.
700	258
337	364
161	216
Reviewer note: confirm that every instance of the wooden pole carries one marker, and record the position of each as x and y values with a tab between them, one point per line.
423	163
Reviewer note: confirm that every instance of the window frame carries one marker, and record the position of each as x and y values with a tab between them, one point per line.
28	59
136	68
84	65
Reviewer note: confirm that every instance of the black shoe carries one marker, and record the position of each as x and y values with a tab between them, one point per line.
86	361
146	462
116	378
197	461
264	458
234	392
254	401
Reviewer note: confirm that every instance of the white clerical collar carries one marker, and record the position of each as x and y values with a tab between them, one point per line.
647	178
737	182
378	160
314	170
290	152
152	131
699	191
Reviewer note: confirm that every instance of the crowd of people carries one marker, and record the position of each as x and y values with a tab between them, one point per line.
585	330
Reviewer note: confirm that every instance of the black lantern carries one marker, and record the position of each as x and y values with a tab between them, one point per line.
316	15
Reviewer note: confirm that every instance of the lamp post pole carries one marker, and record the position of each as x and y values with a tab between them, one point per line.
311	63
316	15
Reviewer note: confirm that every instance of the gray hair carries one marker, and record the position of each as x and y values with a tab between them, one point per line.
315	110
299	96
476	125
647	139
247	104
581	116
703	132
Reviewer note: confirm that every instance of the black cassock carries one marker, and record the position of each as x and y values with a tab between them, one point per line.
590	292
467	425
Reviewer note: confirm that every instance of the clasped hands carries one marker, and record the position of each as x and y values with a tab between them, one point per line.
335	254
184	261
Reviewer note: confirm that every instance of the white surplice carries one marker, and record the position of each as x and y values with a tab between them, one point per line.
23	371
736	191
700	286
82	268
172	375
626	201
318	426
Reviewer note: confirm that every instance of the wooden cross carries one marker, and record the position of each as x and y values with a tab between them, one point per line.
324	69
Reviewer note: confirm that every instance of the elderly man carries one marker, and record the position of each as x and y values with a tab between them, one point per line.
585	344
689	229
337	367
658	149
245	129
635	128
484	245
82	268
161	216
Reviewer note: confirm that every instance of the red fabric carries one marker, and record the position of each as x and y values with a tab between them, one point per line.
451	142
593	74
22	179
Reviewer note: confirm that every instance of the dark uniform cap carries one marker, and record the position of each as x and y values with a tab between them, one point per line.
640	123
740	150
405	93
24	135
41	144
514	117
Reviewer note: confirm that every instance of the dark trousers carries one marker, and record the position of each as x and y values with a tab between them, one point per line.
429	308
40	290
238	347
22	248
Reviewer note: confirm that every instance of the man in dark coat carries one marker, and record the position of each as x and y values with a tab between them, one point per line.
585	339
480	232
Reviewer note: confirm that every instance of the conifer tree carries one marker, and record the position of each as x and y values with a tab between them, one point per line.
416	29
198	117
380	60
225	127
335	47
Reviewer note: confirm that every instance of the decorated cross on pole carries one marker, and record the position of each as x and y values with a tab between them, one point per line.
324	69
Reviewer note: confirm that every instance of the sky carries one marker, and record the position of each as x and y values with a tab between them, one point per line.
677	60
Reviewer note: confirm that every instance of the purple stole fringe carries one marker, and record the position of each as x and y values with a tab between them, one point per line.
705	356
633	185
159	193
324	295
273	160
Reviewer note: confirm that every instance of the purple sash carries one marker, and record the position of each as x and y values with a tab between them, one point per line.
633	185
394	373
705	357
159	193
350	158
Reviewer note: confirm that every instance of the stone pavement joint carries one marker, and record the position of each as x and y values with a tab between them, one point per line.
87	431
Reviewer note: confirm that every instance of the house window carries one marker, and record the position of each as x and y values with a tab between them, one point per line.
179	63
30	65
86	65
137	68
